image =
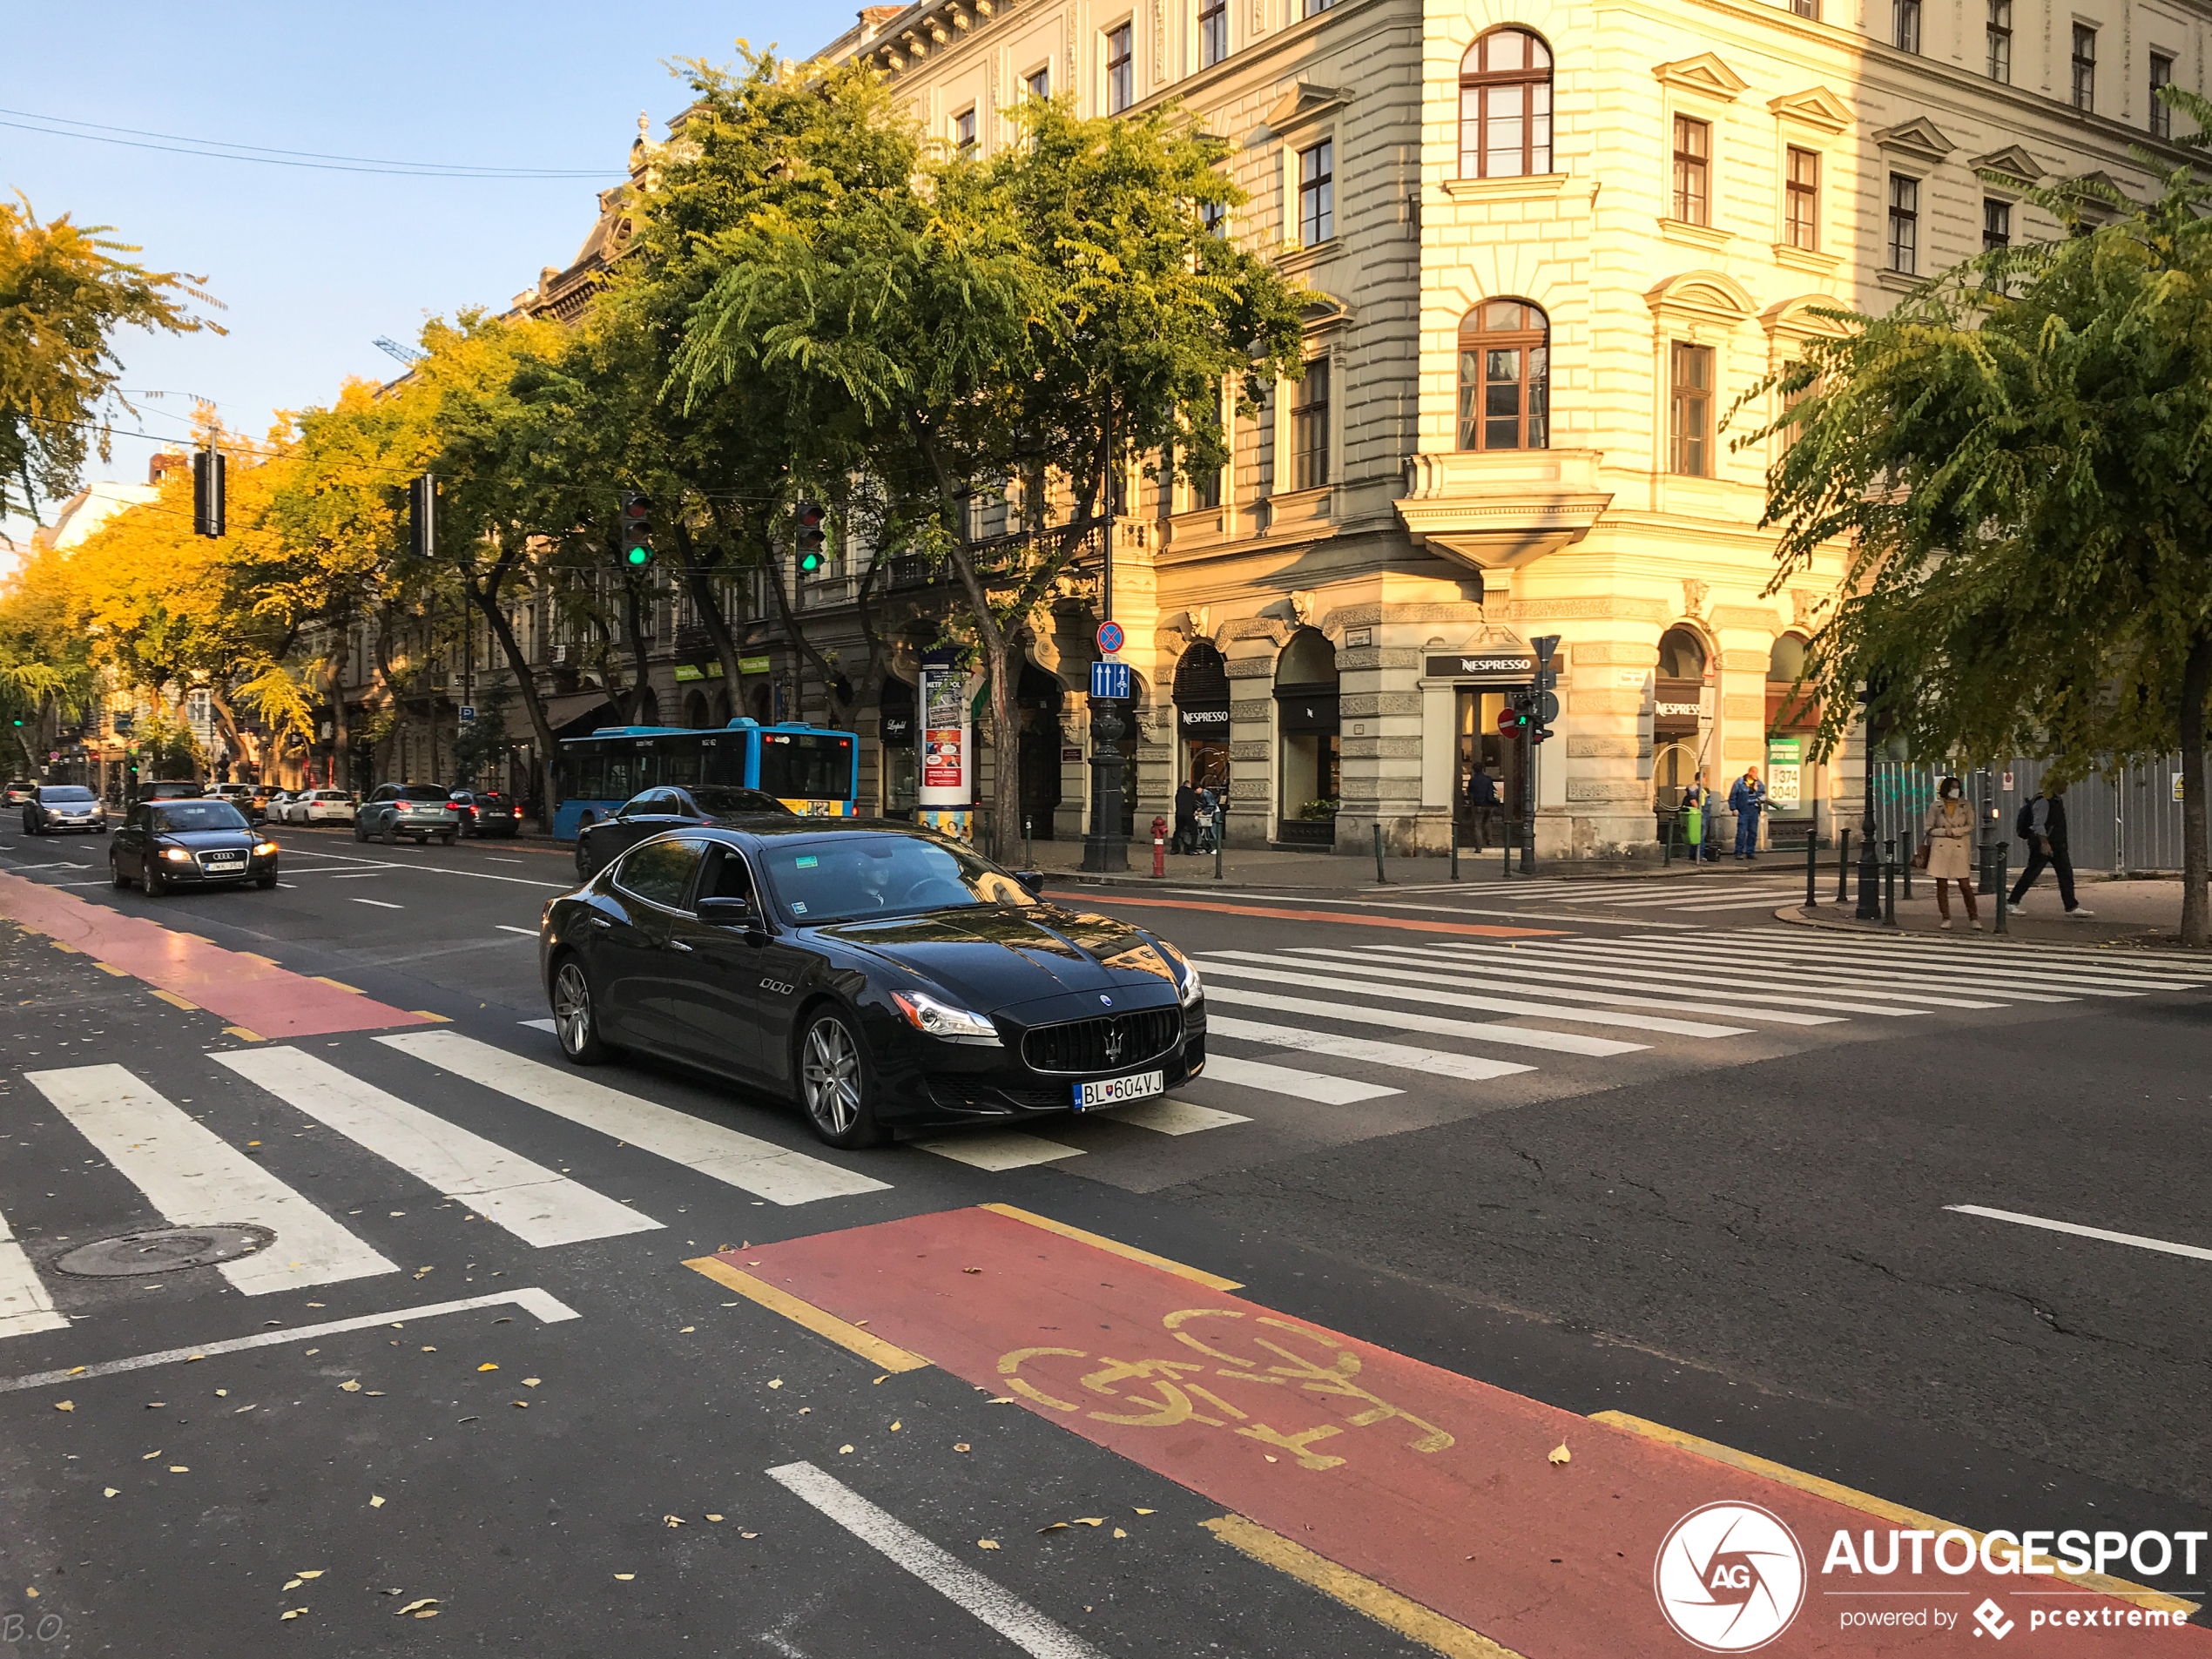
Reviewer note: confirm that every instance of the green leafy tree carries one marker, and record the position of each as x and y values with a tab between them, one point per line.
2018	461
64	293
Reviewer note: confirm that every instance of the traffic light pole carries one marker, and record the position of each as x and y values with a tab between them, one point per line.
1106	848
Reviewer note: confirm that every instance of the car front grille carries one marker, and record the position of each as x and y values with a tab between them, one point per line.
1109	1042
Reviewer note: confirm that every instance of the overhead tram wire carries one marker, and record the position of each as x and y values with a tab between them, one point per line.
222	150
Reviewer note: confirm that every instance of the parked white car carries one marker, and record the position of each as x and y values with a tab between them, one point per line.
323	806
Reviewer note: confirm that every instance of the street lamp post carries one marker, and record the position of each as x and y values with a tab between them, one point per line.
1870	895
1106	848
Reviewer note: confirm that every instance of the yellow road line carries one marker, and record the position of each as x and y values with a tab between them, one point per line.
174	1001
873	1349
425	1014
70	950
110	968
2142	1595
256	956
337	985
1098	1241
244	1035
1362	1594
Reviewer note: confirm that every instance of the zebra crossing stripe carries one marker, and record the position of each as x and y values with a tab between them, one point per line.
998	1150
1165	1116
1601	964
1862	981
2101	965
1980	968
762	1167
1223	967
1289	1079
1515	1036
1383	963
538	1205
1436	1062
196	1179
24	1305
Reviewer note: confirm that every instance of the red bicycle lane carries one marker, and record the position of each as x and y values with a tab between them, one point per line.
1448	1491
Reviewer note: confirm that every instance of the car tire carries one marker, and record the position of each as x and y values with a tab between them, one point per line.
836	1083
361	831
264	882
151	882
447	839
576	1015
115	872
582	864
391	832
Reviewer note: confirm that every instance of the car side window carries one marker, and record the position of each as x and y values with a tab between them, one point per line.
660	872
729	878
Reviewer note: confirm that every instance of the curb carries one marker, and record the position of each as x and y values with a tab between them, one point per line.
1794	914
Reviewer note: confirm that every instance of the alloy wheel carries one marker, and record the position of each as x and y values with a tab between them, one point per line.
831	1075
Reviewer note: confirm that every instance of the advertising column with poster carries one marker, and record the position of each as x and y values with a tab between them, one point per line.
945	797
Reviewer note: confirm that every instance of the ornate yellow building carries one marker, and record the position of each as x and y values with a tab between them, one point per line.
1552	245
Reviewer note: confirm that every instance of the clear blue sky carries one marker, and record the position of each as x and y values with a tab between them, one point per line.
315	265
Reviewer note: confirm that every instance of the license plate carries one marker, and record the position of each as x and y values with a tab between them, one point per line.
226	864
1114	1091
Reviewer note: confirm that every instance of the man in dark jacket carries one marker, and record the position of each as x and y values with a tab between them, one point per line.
1186	817
1745	800
1482	804
2046	845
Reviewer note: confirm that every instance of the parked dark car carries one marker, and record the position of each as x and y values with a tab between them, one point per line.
486	812
419	810
55	807
165	845
881	975
599	844
174	789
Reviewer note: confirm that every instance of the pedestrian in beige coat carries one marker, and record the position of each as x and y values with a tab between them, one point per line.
1950	832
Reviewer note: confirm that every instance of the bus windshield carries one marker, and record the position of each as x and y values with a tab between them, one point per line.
805	765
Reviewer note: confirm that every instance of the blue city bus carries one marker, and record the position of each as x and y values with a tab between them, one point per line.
810	769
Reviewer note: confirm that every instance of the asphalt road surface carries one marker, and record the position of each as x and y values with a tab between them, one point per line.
572	1363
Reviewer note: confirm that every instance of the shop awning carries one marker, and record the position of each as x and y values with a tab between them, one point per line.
580	713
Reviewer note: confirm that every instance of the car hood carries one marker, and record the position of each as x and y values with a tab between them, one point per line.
991	958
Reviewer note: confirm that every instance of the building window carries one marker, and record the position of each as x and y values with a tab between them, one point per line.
1121	74
1693	153
964	132
1214	216
1904	224
1996	223
1213	32
1690	387
1999	31
1205	489
1505	377
1312	6
1904	24
1038	82
2084	67
1801	197
1310	428
1506	106
2161	115
1807	8
1316	217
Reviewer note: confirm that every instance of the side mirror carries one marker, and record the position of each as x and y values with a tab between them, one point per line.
1033	880
727	913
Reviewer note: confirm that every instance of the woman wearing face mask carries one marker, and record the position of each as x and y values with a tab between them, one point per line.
1950	832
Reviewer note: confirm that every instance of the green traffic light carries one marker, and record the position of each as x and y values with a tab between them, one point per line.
808	562
639	556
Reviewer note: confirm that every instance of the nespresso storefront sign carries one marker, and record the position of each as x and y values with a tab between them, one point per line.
1482	665
1202	722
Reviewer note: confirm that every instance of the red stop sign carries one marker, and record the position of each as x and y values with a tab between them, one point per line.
1508	720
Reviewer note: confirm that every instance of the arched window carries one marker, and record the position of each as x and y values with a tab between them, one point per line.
1505	377
1506	106
1682	654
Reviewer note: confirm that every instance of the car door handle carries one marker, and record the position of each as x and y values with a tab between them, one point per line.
601	921
677	944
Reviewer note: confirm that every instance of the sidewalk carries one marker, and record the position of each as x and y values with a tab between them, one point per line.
2130	914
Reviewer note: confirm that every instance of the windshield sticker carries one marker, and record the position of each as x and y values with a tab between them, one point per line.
808	863
798	907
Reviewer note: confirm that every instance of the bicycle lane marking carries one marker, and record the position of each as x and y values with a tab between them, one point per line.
1431	1483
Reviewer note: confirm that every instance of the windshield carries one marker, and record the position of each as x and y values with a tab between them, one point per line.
805	765
845	878
65	792
715	799
199	815
422	792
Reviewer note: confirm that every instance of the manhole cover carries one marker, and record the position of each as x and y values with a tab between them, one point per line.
163	1251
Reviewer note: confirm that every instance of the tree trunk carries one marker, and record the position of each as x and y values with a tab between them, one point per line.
2196	685
486	599
700	584
633	605
342	753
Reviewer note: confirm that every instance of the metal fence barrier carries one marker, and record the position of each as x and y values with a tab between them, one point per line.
2128	823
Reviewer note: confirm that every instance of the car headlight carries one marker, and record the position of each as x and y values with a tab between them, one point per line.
176	855
265	849
1192	988
926	1014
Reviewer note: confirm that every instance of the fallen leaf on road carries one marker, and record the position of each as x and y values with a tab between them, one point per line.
859	1322
375	1502
419	1271
296	1613
1090	1521
524	1404
532	1382
1559	1453
416	1607
843	1449
149	1457
1146	1512
293	1583
777	1382
31	1591
959	1446
316	1572
242	1411
672	1520
374	1393
748	1534
1001	1399
714	1517
427	1348
1271	1459
64	1405
468	1420
879	1379
222	1393
504	1318
179	1468
895	1428
487	1365
111	1491
156	1405
1057	1525
352	1385
804	1410
987	1543
687	1331
971	1269
625	1577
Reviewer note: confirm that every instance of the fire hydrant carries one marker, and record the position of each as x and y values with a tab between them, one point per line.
1159	846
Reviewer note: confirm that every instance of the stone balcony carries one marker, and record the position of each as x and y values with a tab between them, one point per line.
1499	509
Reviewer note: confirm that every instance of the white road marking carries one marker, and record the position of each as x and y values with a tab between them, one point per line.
440	869
380	904
1430	1061
1609	964
1815	976
958	1583
2036	961
1984	969
762	1167
1167	1116
495	859
1219	967
1515	1036
24	1305
196	1179
546	1026
1538	964
1379	964
1289	1080
527	933
548	1309
2195	1252
1243	894
996	1149
537	1204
